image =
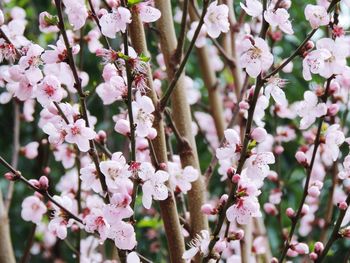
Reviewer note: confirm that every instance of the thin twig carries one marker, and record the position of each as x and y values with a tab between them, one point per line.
317	142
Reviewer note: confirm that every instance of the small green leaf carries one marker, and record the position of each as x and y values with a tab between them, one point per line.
144	58
134	2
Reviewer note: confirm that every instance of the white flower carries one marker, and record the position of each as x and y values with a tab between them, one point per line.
153	184
310	109
199	244
256	56
253	8
216	19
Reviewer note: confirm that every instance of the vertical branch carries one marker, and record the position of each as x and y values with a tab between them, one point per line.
212	85
168	208
15	151
82	95
182	116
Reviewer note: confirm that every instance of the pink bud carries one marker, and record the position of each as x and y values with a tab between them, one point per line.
318	247
274	260
334	87
243	105
313	256
163	166
279	149
122	126
305	209
10	176
270	209
223	199
220	246
343	205
46	170
239	234
301	158
290	212
230	172
207	209
152	134
314	191
309	45
345	232
301	248
102	12
236	178
333	109
101	136
43	183
258	134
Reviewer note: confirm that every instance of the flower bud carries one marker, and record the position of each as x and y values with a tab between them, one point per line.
301	158
318	248
220	246
274	260
11	177
270	209
290	212
152	134
230	172
305	209
122	126
309	45
43	183
334	87
236	178
101	136
223	199
314	191
279	149
333	109
313	256
243	105
46	170
345	232
343	205
207	209
301	248
258	134
162	166
238	235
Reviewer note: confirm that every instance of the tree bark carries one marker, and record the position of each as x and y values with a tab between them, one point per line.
211	83
182	116
168	208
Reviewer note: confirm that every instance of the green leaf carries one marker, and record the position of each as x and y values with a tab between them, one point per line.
134	2
149	222
144	58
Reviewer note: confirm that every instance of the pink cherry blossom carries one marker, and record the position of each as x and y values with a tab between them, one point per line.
133	258
95	221
66	154
274	88
116	171
90	179
123	235
153	186
279	18
30	151
76	12
112	90
148	13
33	209
216	19
310	109
118	209
201	39
111	23
345	173
243	210
44	23
253	8
232	139
182	179
79	134
142	109
317	15
334	137
255	57
49	90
